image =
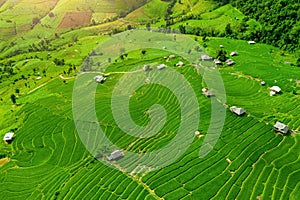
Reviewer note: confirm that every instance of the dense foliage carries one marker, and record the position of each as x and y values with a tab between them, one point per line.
279	20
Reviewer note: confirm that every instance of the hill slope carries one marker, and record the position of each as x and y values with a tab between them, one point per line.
47	159
19	17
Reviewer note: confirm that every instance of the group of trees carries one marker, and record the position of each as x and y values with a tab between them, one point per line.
13	98
168	16
194	30
7	70
279	21
221	55
42	45
59	62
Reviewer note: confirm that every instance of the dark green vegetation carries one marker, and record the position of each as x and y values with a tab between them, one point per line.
279	21
263	21
48	160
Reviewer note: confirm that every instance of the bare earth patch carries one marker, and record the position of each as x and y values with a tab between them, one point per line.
3	161
75	19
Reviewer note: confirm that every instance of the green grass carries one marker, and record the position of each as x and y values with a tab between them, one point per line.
23	34
48	159
154	10
256	63
216	19
194	7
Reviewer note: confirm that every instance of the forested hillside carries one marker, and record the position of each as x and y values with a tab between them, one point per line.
280	21
271	22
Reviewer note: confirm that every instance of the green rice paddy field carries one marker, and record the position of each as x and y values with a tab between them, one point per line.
249	160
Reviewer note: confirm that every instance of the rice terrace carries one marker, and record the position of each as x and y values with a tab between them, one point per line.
174	99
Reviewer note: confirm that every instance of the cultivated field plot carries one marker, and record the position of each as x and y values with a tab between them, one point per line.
39	18
75	19
194	7
261	63
25	13
216	19
153	10
249	160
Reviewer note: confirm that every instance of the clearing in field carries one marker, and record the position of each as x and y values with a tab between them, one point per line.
75	19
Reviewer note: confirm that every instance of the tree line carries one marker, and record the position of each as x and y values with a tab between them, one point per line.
279	21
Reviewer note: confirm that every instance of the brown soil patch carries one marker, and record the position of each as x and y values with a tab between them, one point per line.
2	2
75	19
3	161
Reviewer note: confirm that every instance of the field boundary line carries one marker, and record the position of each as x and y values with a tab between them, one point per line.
140	182
40	86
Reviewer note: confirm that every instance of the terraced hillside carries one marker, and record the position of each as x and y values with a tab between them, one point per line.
32	19
250	160
261	63
43	54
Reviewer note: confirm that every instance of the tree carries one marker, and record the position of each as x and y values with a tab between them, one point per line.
17	91
221	55
182	29
75	38
228	30
129	27
242	27
144	52
69	70
148	26
298	62
59	62
56	61
204	39
13	98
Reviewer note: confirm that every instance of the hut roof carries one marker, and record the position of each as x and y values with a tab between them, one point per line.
8	136
238	111
115	155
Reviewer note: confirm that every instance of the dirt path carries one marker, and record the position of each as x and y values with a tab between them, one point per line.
40	86
64	78
110	73
34	89
67	78
130	72
139	180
